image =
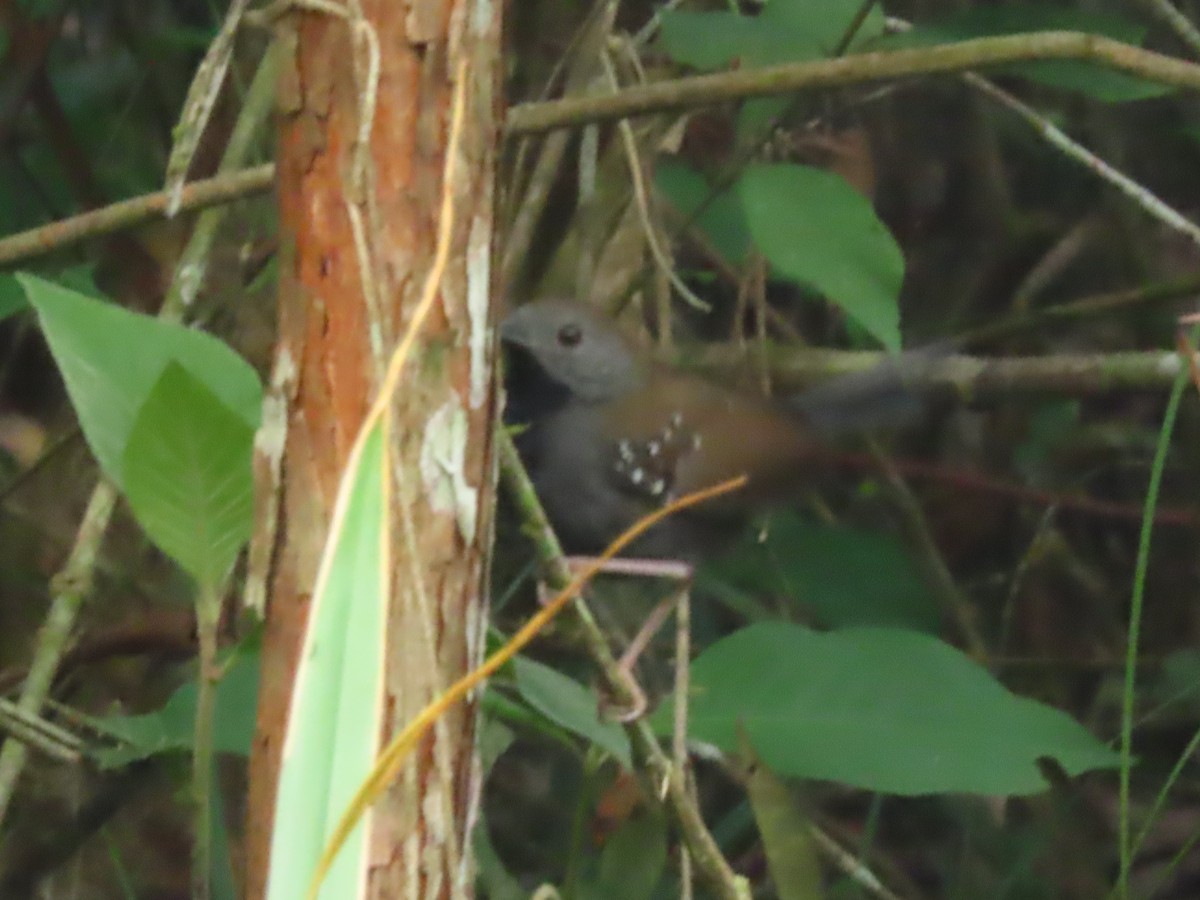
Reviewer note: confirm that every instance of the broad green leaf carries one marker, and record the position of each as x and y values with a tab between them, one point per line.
334	723
784	31
882	709
824	21
719	216
170	729
713	40
188	475
847	576
571	705
817	230
1090	79
111	359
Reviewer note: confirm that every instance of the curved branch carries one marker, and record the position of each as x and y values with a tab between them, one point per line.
970	378
129	213
981	53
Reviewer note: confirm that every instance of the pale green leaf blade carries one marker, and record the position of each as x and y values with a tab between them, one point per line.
334	724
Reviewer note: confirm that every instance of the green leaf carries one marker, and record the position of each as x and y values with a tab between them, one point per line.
571	705
170	729
784	31
718	216
882	709
713	40
824	21
847	576
111	359
334	725
817	230
1090	79
188	476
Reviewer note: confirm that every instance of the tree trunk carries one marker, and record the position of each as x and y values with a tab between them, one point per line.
358	230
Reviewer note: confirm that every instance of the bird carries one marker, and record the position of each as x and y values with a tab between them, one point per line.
609	435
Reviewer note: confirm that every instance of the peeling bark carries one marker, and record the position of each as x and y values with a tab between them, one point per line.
346	294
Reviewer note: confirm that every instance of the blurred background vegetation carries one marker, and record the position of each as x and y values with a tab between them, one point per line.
1006	245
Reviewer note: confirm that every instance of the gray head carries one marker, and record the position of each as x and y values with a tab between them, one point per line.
575	347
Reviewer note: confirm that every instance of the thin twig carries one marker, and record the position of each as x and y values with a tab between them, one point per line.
956	606
679	749
1084	307
705	853
1125	846
201	99
642	200
1059	139
1181	25
193	262
221	188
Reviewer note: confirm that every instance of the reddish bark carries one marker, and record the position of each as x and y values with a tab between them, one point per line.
325	324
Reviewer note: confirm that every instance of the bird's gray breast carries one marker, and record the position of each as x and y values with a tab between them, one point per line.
587	486
570	462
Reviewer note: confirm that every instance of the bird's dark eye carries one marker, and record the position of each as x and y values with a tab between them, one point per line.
570	335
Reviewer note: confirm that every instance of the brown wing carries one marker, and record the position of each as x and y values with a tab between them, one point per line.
681	434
